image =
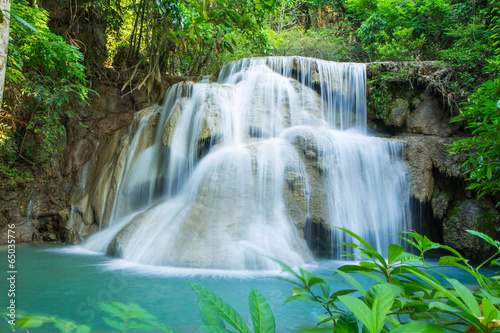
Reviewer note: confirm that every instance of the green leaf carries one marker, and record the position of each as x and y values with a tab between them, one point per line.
369	248
225	311
443	307
112	322
394	252
31	322
347	323
449	260
262	316
380	298
285	268
361	311
418	327
209	316
485	238
325	288
352	281
490	313
466	296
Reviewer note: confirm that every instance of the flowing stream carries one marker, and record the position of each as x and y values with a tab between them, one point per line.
247	166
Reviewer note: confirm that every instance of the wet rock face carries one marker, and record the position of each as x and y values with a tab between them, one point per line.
399	109
425	153
100	176
471	215
36	212
429	117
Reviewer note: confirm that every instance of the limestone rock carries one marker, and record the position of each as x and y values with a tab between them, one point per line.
72	237
439	204
422	154
430	118
398	112
471	215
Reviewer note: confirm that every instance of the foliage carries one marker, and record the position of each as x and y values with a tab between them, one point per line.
406	296
482	114
380	95
419	30
63	325
131	316
182	37
45	83
213	309
321	44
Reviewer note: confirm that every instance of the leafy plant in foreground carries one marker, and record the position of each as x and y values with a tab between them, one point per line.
214	312
408	295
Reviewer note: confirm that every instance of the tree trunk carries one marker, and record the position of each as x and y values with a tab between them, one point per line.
4	43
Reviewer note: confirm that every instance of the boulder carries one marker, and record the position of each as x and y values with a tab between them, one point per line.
471	214
430	117
422	155
399	110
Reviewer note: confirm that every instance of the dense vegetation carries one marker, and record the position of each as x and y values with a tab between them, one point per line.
47	72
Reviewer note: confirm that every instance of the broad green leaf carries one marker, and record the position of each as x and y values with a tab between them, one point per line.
394	252
380	298
352	269
485	238
209	316
325	288
82	329
369	265
490	313
352	281
449	260
342	292
466	296
347	323
138	325
300	297
65	326
225	311
376	277
326	320
361	311
442	306
285	268
262	316
418	327
112	322
30	322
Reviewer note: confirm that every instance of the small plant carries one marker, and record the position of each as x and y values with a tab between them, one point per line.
214	312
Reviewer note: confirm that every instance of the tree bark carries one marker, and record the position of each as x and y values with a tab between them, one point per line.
4	43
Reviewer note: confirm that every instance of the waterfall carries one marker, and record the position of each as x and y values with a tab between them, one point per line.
240	168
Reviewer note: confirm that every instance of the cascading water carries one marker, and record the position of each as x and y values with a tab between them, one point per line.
237	168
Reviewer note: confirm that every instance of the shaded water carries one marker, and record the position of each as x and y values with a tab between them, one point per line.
238	167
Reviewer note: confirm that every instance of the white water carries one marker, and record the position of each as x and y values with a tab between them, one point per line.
246	161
